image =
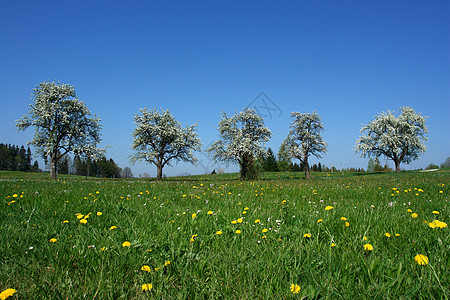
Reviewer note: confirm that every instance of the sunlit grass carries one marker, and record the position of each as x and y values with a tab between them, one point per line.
270	237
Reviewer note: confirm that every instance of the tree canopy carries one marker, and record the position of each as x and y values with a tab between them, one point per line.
62	122
159	139
400	139
243	138
304	139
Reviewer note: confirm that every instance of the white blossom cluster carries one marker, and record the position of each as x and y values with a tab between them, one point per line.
242	138
304	138
398	138
63	123
159	138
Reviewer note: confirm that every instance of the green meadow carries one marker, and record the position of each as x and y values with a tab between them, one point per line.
334	237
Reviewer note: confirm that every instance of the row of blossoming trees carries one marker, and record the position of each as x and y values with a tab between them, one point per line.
63	124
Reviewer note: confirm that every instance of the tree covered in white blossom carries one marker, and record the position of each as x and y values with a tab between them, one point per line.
401	139
159	139
304	139
63	123
243	138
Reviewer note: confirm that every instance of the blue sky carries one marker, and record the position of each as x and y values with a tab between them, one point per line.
348	60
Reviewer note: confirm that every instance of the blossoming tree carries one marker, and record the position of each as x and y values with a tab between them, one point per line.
399	138
242	139
63	123
304	139
159	138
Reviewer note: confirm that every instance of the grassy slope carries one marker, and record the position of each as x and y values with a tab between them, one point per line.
158	216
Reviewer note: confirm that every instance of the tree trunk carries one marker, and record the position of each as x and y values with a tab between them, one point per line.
397	166
306	166
159	171
243	171
53	162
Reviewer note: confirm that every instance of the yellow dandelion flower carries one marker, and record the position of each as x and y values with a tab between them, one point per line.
295	288
7	293
83	221
210	213
146	268
307	235
435	212
218	232
387	234
193	237
112	227
66	221
99	213
244	212
397	234
437	223
346	224
147	287
80	216
421	259
238	231
233	222
257	221
264	230
319	221
343	218
409	210
368	247
194	215
441	192
239	220
365	238
167	263
15	196
126	244
329	207
440	224
333	245
414	215
246	208
53	240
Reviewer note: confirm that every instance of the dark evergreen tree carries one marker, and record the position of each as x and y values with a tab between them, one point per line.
29	156
35	167
270	162
63	165
13	158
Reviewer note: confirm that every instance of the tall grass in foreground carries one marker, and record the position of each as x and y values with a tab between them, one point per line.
223	238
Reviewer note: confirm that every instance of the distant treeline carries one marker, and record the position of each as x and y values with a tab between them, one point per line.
103	167
272	164
15	158
19	158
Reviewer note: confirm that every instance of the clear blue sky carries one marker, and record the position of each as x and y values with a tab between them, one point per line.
349	60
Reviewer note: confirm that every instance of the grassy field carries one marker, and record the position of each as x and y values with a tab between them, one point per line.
204	237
